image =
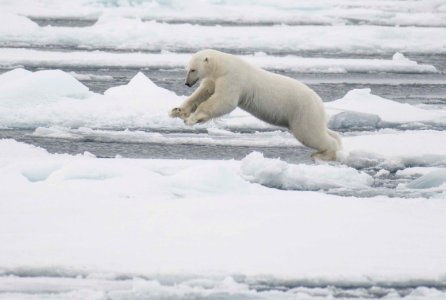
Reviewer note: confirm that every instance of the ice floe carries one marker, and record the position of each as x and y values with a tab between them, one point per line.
361	108
115	32
28	57
32	99
425	13
207	217
214	136
395	150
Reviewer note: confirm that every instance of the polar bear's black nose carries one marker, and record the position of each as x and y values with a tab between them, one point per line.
187	83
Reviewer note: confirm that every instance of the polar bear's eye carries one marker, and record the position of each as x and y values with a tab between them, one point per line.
193	70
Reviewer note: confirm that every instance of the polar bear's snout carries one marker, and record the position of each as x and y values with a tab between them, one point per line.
191	78
189	84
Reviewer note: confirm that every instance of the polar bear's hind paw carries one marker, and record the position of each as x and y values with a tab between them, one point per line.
328	155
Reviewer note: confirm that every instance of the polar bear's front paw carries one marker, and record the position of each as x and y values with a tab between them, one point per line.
191	121
195	118
179	112
175	113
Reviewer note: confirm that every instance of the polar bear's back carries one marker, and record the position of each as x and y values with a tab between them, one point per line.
275	98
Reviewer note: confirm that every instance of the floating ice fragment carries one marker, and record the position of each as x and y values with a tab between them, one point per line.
363	101
400	57
353	120
382	173
433	179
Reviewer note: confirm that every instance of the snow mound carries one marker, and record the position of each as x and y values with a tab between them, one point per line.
363	101
11	149
279	174
139	88
23	88
17	24
52	98
13	75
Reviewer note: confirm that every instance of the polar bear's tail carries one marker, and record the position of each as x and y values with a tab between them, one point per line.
336	137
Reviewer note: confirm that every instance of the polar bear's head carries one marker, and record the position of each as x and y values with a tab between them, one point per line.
200	66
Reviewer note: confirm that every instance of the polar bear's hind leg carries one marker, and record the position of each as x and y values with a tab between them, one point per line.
325	141
327	147
336	137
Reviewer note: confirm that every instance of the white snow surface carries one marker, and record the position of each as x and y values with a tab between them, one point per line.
398	64
115	32
32	99
209	218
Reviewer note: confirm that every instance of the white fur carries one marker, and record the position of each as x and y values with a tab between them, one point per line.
228	82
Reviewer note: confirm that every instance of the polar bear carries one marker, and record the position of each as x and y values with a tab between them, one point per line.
228	82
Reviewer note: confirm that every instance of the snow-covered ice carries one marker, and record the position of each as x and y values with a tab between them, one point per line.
205	217
213	136
398	64
375	111
111	32
94	287
424	13
30	99
137	104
